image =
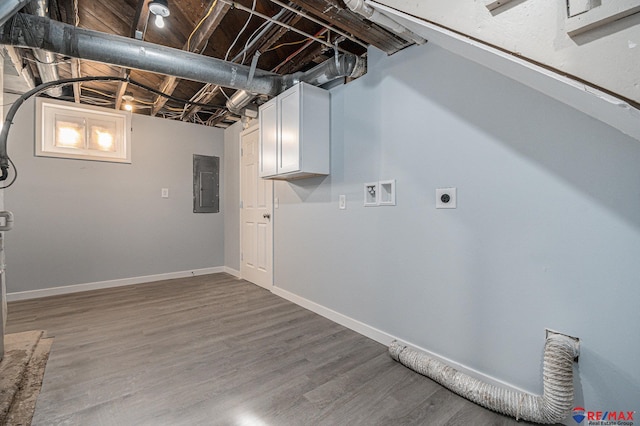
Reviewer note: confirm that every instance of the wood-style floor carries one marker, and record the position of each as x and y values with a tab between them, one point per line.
215	350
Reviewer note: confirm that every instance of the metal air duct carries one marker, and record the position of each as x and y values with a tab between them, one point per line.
44	33
344	65
47	68
36	32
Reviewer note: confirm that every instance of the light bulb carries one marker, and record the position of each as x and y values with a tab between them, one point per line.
128	107
159	21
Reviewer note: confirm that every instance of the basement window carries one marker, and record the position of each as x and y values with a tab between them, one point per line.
67	130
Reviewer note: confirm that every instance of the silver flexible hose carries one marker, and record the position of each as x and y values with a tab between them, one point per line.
553	406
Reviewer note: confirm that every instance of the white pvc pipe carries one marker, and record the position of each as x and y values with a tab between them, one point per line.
389	23
553	406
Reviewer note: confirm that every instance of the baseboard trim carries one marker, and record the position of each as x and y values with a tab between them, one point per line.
384	337
355	325
76	288
232	271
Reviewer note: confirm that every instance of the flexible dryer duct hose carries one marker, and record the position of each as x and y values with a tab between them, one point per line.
553	406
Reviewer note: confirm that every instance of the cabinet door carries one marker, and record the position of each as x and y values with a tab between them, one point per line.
268	138
289	155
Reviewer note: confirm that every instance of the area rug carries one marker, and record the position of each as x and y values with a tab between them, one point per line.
21	374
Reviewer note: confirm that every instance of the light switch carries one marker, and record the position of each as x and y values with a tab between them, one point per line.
165	192
342	202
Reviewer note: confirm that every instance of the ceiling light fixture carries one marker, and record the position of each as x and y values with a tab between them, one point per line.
127	102
160	8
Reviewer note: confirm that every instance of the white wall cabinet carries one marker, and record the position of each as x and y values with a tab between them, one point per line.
295	133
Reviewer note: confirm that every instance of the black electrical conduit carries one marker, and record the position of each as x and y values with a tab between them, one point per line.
4	156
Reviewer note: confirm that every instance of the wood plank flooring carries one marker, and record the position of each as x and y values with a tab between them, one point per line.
215	350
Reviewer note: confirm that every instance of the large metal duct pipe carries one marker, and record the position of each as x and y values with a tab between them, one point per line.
340	66
8	8
43	33
553	406
345	65
47	68
360	7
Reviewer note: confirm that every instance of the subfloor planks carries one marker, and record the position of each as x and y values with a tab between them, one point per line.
215	350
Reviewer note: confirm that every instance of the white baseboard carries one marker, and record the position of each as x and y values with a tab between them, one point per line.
384	337
54	291
350	323
232	271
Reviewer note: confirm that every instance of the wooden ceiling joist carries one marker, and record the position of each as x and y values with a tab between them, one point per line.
139	26
76	72
336	13
271	38
204	29
196	22
309	56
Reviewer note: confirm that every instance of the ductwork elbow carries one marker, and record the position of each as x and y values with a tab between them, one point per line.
239	100
346	65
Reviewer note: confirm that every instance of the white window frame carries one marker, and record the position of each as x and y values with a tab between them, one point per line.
48	109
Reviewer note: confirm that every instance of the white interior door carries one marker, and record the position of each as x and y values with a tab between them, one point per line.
256	230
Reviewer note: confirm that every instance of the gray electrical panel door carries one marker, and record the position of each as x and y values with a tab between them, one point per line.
206	184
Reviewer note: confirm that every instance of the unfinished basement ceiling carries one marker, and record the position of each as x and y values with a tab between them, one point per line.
221	29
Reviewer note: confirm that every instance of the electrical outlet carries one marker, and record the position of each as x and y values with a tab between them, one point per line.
165	192
446	198
342	202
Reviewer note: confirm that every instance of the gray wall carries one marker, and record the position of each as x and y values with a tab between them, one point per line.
546	233
232	196
84	221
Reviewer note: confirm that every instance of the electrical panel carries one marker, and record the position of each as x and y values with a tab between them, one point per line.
206	184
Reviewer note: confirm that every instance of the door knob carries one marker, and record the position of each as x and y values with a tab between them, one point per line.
266	216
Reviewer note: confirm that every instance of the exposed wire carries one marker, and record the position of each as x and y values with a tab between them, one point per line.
224	93
143	102
300	49
89	89
209	89
76	14
206	43
253	8
258	31
319	22
38	61
96	101
289	44
199	24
